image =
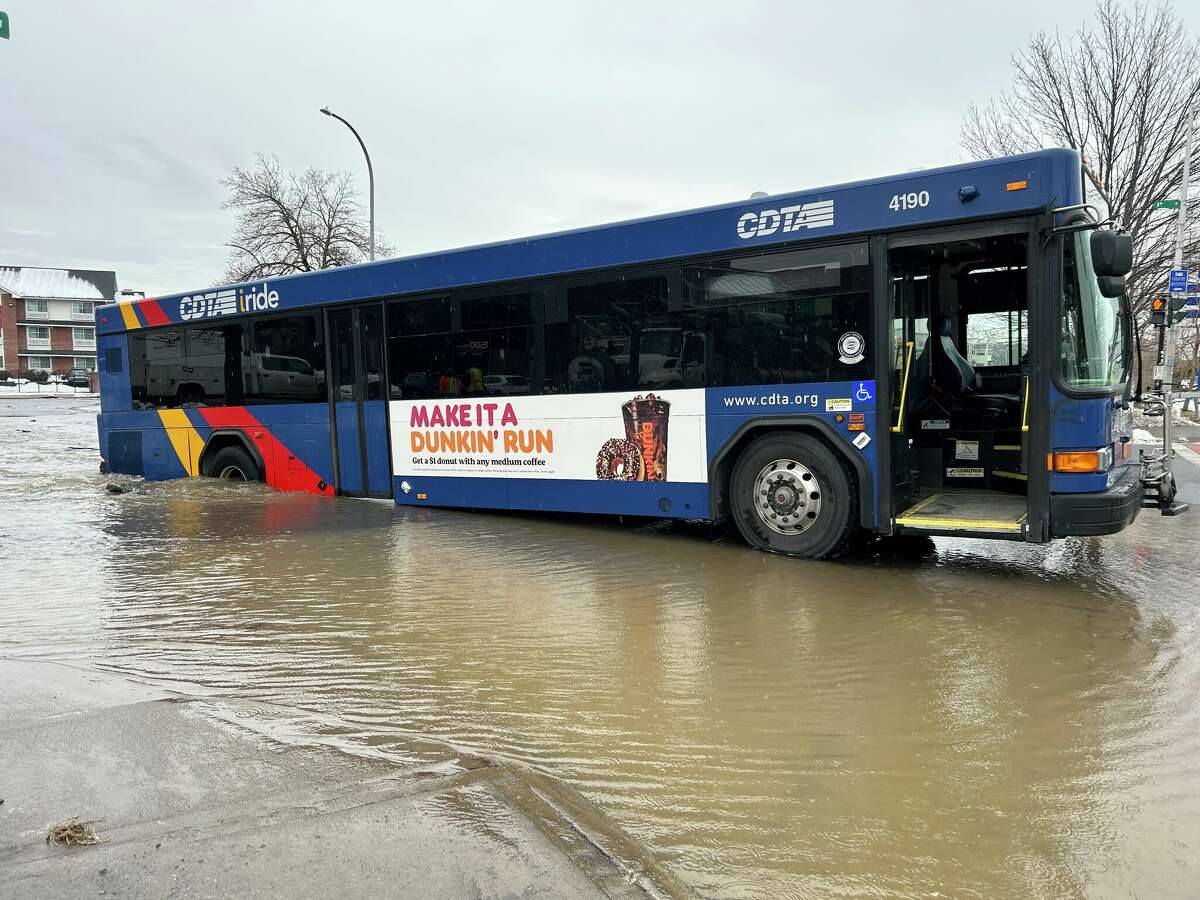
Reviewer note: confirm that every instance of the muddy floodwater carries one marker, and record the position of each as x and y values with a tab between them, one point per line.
974	720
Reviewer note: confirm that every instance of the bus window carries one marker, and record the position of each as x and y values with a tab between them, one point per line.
781	317
462	346
492	355
215	364
619	336
1093	339
996	339
420	346
286	361
157	367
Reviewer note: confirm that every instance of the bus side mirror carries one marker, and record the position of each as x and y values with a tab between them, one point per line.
1111	285
1112	253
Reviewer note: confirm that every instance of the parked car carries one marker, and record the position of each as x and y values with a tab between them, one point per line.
498	385
78	378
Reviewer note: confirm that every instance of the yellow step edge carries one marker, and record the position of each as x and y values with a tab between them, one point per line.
924	503
1007	447
962	524
1018	475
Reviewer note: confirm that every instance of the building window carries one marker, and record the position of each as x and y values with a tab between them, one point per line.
37	363
85	362
83	338
37	337
37	309
82	309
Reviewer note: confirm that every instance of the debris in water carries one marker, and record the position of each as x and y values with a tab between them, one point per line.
116	488
73	833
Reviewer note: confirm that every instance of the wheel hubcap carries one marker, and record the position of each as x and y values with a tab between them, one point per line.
787	496
232	473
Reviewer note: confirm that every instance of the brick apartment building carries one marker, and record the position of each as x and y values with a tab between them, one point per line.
48	317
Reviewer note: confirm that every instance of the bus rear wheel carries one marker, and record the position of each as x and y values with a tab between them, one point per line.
234	464
791	494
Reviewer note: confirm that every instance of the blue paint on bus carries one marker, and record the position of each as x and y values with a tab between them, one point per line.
666	499
1049	177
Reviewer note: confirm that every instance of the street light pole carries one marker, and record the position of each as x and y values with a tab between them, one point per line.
370	171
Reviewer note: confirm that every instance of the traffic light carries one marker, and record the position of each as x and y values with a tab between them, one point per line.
1158	311
1168	310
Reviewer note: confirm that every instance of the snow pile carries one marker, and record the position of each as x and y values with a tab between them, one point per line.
22	387
48	283
1141	420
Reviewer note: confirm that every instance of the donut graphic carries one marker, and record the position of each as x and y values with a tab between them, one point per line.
619	460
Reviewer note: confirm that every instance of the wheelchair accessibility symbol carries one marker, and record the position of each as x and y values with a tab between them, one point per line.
863	394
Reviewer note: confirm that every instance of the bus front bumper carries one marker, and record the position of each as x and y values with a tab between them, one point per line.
1101	512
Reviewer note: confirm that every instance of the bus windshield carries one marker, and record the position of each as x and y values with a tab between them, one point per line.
1093	339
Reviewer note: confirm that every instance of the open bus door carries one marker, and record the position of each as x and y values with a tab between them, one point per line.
963	365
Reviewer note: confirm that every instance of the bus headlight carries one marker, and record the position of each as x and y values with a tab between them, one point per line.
1081	460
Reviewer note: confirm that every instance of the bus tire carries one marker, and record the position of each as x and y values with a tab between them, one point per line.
790	493
234	464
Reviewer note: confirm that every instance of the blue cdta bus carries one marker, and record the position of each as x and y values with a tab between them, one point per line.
942	352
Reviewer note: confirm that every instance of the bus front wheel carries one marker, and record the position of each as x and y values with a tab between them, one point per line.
791	494
235	464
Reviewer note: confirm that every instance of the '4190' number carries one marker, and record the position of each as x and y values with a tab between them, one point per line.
911	200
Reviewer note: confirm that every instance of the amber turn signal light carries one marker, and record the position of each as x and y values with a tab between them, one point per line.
1083	460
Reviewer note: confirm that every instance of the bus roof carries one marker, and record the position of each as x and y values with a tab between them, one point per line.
996	187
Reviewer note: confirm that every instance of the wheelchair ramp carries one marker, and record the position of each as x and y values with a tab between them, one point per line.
966	512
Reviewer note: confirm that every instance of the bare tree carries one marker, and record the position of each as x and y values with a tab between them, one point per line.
1121	90
289	223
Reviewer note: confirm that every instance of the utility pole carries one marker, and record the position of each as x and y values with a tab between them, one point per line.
1164	370
370	171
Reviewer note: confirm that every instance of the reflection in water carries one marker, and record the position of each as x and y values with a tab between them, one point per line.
982	720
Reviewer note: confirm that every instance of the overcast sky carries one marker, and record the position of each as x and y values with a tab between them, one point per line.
485	121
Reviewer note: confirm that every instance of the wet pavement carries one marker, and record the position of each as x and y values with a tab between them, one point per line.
186	807
962	718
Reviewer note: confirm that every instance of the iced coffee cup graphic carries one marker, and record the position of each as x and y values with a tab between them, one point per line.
646	428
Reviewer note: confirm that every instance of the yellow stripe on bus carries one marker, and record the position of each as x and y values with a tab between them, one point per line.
127	313
182	434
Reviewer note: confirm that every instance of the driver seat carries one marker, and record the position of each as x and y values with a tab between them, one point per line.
956	379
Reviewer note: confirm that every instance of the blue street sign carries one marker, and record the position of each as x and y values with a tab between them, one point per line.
1177	283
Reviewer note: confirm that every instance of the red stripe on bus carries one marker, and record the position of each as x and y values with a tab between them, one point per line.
285	471
153	313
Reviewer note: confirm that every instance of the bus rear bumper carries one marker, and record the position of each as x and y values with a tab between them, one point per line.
1101	512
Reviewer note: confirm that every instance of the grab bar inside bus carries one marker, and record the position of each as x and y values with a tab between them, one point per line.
899	426
1025	409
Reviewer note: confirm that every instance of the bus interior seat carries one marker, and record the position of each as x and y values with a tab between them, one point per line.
956	380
